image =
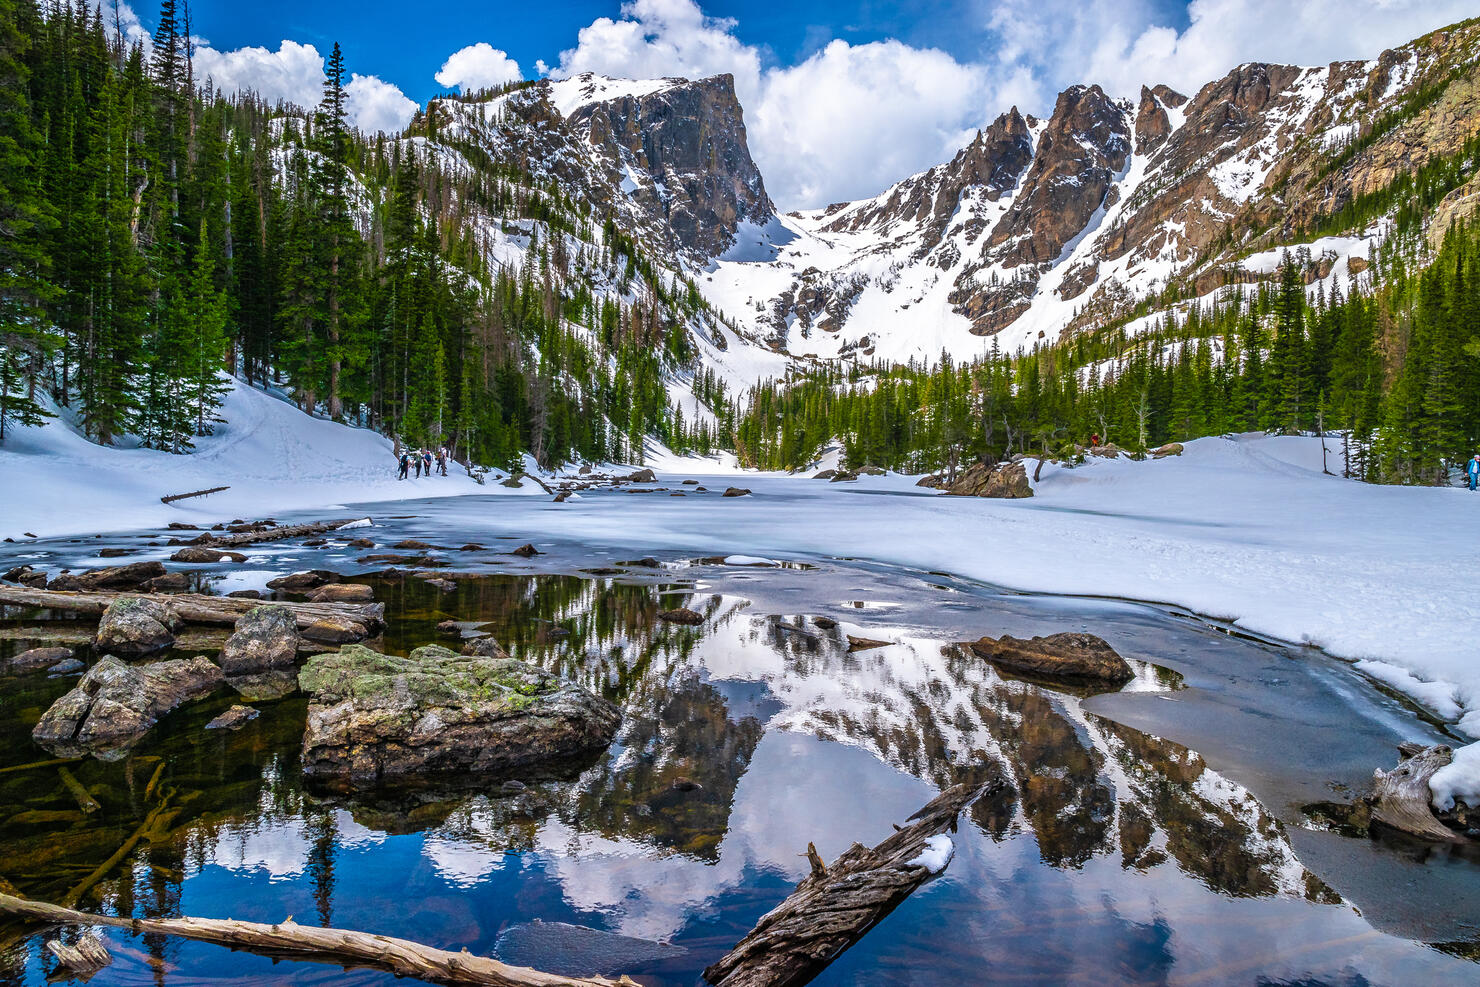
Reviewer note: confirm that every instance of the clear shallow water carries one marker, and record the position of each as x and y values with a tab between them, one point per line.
1123	856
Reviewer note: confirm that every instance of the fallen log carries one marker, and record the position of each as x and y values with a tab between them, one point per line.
342	947
277	534
1401	797
834	906
194	493
194	608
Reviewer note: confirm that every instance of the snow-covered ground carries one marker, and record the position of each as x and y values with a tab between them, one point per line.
1247	530
273	457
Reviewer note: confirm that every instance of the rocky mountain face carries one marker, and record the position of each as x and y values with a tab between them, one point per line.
1041	227
668	158
1035	228
687	142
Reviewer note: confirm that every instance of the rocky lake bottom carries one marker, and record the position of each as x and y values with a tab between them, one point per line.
1165	831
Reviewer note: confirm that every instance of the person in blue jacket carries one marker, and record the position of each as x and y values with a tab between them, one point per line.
1473	469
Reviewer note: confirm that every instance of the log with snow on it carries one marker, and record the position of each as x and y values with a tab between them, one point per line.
838	903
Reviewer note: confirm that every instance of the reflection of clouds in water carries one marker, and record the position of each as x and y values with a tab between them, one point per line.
469	845
352	834
797	789
279	847
240	579
459	863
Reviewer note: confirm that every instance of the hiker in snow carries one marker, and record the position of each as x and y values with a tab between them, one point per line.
1473	469
442	457
1094	441
405	465
416	459
426	460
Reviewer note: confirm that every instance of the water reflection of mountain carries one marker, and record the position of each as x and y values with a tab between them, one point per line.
742	739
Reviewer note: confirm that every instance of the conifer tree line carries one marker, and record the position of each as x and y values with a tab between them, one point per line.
157	234
1389	366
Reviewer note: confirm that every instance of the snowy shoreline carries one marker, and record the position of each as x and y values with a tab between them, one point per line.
1248	532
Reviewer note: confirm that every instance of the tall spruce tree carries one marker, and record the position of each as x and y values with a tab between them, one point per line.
27	339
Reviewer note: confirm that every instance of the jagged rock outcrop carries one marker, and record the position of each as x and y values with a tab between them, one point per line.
1083	149
114	705
687	138
377	718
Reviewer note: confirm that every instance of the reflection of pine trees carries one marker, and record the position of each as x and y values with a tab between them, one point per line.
673	782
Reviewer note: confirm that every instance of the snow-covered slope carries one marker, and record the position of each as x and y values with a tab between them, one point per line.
1041	226
271	455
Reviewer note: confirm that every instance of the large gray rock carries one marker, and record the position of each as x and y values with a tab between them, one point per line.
114	705
137	625
376	718
266	638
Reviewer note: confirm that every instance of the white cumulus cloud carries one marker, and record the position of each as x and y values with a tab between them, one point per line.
479	66
295	73
375	105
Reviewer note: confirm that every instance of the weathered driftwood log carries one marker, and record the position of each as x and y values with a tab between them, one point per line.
86	958
307	942
1401	797
194	608
194	493
277	534
835	906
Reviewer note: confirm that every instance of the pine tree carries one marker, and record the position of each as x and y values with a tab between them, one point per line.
26	336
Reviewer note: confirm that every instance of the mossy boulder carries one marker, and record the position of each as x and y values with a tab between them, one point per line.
377	718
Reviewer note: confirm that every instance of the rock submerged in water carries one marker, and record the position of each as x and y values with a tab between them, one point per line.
265	639
114	705
1071	656
37	659
682	615
234	718
377	718
137	625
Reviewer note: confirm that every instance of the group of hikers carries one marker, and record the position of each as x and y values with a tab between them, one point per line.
422	461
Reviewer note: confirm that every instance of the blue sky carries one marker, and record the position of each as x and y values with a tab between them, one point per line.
841	99
381	37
